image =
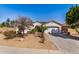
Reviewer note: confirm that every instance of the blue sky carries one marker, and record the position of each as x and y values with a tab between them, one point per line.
37	12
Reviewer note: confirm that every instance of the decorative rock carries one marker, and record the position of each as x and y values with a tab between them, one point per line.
2	36
21	39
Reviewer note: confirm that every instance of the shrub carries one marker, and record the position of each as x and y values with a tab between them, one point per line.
41	28
38	28
9	34
33	31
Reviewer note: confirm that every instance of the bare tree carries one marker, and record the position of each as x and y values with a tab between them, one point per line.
23	22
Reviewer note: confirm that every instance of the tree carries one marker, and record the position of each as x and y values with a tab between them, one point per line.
72	17
23	22
12	22
8	22
41	30
3	24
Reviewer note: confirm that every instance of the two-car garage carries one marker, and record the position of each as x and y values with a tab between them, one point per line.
53	27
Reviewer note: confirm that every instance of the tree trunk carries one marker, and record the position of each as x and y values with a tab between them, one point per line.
76	30
23	34
42	38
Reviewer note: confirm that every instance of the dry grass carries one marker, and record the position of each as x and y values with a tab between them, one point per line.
73	32
6	29
29	41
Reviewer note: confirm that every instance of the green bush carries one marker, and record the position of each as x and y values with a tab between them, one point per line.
40	28
33	31
40	32
9	34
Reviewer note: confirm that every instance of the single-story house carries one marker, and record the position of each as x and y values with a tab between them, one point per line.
36	24
53	27
65	28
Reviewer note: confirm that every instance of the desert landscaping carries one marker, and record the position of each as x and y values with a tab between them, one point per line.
35	35
30	41
73	32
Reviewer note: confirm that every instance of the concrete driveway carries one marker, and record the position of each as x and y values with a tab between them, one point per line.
64	44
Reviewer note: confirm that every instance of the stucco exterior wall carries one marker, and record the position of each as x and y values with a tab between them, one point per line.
53	24
37	24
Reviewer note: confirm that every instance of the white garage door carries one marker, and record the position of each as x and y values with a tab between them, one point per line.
52	30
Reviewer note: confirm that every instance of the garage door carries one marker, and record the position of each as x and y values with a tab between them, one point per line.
52	30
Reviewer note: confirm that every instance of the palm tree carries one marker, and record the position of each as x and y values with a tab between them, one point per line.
72	17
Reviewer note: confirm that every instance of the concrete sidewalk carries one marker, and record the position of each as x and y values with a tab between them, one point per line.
65	45
14	50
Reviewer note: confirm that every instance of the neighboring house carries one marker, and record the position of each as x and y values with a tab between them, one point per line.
53	27
65	28
36	24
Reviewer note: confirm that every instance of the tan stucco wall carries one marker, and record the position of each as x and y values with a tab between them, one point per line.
37	24
72	31
53	24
